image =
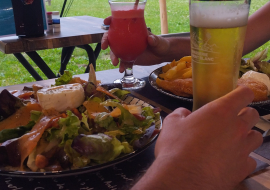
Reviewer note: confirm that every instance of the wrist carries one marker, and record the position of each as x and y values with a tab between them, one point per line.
171	173
161	176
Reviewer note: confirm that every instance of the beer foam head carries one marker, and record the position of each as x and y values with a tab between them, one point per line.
217	14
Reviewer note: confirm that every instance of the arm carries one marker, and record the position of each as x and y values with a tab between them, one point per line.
166	49
207	149
258	33
258	29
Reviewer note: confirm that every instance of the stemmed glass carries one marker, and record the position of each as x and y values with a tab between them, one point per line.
127	37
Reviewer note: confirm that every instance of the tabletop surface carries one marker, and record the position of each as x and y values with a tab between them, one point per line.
75	31
125	174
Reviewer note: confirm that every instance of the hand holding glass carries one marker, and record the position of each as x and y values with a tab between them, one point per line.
127	36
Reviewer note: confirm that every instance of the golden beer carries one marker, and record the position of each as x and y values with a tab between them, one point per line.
216	49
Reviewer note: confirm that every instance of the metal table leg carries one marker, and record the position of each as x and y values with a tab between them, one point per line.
97	50
65	57
41	64
67	52
91	56
28	67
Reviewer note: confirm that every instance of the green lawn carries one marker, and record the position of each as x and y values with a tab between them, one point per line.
12	72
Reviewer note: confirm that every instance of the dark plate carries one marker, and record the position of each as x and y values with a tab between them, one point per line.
154	75
152	80
87	169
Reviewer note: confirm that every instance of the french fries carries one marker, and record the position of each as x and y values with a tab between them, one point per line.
177	69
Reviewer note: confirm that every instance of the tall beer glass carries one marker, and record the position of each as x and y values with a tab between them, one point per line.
217	32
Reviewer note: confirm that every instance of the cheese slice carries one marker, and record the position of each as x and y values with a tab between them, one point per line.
61	98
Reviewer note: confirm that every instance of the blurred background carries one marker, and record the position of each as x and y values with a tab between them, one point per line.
12	72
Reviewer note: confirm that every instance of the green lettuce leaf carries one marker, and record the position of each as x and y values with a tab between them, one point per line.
35	115
148	122
147	111
157	116
129	124
119	93
126	119
106	121
8	134
127	148
115	133
256	63
98	147
264	67
85	124
77	160
63	79
68	128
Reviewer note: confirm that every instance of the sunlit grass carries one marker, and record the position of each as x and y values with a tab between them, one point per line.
12	72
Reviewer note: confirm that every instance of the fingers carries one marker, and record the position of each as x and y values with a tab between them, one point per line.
181	112
253	141
251	165
125	65
107	21
104	41
158	45
237	99
115	62
122	67
114	59
156	41
250	116
152	40
177	114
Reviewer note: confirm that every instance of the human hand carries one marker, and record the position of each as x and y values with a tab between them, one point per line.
156	49
207	149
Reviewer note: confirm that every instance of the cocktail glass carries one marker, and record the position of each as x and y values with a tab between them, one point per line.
127	37
217	32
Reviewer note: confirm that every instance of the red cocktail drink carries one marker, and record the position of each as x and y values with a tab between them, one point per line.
127	37
128	33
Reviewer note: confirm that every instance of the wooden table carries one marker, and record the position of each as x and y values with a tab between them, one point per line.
123	176
75	31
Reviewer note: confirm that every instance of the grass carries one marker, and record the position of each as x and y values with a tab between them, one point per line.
12	72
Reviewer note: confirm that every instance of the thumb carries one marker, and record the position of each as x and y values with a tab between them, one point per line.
107	20
152	40
104	41
158	45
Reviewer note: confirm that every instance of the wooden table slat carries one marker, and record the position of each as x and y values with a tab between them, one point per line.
74	31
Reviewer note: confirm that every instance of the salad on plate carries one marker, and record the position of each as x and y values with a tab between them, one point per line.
70	125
